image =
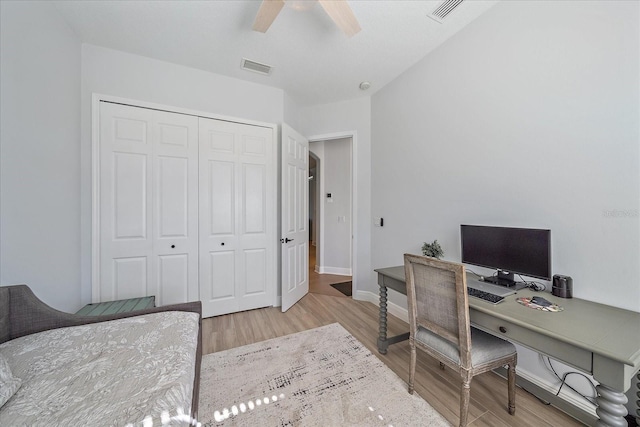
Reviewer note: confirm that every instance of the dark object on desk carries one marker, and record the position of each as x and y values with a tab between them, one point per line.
562	286
344	287
486	296
542	302
539	304
503	249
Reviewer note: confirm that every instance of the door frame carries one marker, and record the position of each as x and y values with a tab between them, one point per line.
96	98
354	199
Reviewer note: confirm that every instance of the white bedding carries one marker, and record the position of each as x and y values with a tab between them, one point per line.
103	374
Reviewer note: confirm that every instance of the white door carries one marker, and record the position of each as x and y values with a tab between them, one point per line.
148	204
237	217
295	217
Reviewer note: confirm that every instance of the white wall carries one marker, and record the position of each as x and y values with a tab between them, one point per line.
527	117
345	118
111	72
291	112
335	178
39	153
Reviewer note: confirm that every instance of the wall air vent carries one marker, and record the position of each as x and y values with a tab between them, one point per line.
444	9
256	67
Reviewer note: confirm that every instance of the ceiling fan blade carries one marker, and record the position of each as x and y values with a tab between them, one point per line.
267	13
342	15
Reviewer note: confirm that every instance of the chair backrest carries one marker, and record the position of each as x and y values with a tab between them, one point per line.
438	301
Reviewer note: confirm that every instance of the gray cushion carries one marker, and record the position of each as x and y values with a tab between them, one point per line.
484	347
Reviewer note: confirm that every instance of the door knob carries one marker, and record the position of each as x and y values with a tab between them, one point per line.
173	246
222	244
287	240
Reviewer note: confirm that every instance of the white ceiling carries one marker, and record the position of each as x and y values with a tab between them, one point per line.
313	61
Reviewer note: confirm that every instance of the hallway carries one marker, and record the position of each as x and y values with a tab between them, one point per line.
321	283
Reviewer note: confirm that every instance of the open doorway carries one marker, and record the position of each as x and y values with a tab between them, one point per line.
331	216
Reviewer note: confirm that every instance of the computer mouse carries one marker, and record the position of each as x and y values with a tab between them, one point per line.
541	301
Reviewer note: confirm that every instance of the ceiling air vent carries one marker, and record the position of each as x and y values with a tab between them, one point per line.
444	9
256	67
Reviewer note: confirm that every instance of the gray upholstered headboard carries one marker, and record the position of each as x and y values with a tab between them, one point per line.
4	314
22	313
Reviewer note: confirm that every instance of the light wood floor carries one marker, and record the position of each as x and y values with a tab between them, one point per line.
321	283
440	388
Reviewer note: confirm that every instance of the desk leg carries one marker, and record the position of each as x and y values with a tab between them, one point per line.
611	409
382	320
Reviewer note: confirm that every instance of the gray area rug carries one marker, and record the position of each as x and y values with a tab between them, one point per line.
319	377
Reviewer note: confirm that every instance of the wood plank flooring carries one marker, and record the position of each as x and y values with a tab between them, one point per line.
321	283
440	388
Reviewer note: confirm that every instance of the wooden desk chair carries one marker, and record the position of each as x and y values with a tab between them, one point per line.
439	325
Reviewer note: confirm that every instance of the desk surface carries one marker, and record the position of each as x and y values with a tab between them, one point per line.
596	338
608	331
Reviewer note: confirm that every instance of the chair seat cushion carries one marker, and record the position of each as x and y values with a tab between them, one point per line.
484	347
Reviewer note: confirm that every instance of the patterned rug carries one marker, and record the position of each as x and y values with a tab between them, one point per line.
319	377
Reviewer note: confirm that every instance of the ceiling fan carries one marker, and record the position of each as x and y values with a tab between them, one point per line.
338	10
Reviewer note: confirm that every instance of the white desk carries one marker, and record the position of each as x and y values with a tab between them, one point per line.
595	338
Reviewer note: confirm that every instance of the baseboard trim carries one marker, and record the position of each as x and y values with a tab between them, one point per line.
392	308
366	296
338	271
565	402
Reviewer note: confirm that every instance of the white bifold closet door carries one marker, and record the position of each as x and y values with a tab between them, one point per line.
237	217
148	204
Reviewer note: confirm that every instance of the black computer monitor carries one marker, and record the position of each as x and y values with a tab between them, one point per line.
510	251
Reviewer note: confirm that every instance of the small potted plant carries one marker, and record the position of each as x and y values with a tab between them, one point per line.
432	249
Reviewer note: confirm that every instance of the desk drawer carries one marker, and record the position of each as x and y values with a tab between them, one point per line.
559	350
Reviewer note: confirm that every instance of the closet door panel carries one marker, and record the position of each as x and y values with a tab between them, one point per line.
129	277
255	277
221	142
173	278
175	240
254	199
222	283
173	200
237	198
221	197
125	200
129	194
148	204
186	209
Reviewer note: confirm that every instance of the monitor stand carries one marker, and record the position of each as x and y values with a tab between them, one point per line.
503	278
